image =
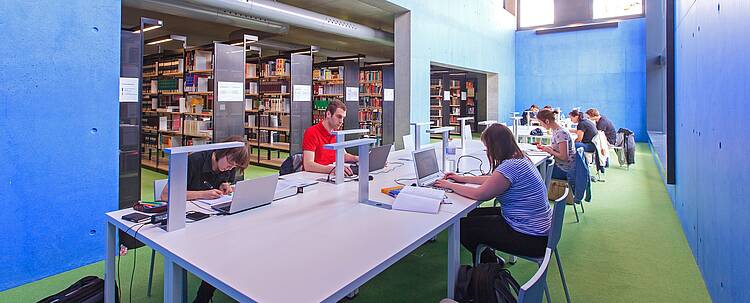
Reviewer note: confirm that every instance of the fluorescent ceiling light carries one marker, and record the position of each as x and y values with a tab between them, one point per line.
148	28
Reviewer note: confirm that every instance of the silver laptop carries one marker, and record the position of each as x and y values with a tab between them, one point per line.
250	194
426	167
378	157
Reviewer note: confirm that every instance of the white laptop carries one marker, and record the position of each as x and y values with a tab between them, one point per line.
426	167
250	194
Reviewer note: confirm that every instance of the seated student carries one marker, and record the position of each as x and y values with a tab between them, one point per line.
562	147
521	225
603	124
315	158
529	115
585	129
209	175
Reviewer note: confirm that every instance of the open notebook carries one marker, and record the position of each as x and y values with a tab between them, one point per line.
419	199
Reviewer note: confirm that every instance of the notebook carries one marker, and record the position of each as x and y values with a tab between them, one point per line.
419	199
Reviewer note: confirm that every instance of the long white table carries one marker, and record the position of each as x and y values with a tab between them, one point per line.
317	246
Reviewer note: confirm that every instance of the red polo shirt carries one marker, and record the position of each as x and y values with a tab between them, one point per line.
315	137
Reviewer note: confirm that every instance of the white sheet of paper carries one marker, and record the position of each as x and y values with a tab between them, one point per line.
128	89
352	93
463	96
388	94
219	200
302	93
230	91
446	95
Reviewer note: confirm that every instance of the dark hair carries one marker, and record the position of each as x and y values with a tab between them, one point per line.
334	105
534	106
592	112
547	107
546	114
574	113
501	144
238	155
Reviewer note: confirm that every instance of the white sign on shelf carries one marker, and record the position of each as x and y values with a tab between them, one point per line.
446	95
388	94
230	91
302	93
128	89
352	93
463	96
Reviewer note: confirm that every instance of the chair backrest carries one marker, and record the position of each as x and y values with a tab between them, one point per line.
558	213
548	175
409	142
533	290
159	187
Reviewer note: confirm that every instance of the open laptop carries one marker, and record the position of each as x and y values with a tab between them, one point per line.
250	194
378	158
426	167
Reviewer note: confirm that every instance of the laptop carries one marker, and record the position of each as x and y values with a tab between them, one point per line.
378	158
250	194
426	167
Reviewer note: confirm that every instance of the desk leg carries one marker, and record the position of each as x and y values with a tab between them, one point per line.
454	257
109	264
174	275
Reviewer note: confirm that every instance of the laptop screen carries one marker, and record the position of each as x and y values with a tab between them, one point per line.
426	163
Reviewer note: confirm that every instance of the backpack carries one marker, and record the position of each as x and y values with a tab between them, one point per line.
486	283
89	289
292	164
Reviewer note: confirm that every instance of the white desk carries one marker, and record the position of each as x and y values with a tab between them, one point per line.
313	247
524	132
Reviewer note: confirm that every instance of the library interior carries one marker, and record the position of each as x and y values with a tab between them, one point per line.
374	151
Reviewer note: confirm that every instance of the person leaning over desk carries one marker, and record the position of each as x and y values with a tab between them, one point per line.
210	174
521	226
585	129
315	158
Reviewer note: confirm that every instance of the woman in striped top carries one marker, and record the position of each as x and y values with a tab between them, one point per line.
521	224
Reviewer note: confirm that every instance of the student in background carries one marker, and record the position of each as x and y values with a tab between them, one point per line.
603	124
521	225
585	129
210	173
529	115
315	158
209	176
561	147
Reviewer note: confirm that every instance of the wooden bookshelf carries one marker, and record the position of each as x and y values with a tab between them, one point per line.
460	102
328	85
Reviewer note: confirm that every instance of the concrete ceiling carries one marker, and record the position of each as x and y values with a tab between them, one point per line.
373	13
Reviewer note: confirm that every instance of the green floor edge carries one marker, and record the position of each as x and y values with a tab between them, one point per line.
628	247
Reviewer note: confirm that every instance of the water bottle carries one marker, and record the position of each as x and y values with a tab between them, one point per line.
450	156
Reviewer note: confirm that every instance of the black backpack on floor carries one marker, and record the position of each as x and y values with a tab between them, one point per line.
88	289
486	283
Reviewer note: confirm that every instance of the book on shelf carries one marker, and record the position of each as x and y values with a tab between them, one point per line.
328	73
370	76
328	89
198	83
175	66
251	70
173	85
469	88
273	87
251	88
199	60
278	67
371	88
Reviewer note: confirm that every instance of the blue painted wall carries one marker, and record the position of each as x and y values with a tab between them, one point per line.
712	93
601	68
60	65
476	35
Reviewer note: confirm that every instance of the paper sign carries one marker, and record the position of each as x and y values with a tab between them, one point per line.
302	93
230	91
352	93
446	95
388	94
128	89
463	96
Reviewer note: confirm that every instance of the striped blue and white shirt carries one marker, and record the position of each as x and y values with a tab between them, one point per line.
524	204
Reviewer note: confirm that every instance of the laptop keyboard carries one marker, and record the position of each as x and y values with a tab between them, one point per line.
224	207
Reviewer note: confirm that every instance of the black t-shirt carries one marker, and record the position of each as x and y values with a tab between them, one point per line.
608	128
589	130
200	176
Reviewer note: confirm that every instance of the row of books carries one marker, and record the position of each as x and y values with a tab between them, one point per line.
270	137
328	89
172	85
199	60
370	114
328	73
274	104
171	67
375	129
273	87
200	127
278	67
370	102
371	88
197	83
251	88
455	84
470	89
371	76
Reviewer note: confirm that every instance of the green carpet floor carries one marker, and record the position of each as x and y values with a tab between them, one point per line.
628	247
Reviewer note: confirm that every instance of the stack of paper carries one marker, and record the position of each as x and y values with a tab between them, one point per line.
419	199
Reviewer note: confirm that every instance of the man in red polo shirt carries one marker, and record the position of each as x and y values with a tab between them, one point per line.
317	159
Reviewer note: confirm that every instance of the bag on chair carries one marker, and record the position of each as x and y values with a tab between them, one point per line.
486	283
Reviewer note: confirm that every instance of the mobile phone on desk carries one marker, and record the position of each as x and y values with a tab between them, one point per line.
135	217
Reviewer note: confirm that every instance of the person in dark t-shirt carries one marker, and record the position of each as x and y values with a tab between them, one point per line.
603	124
585	129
